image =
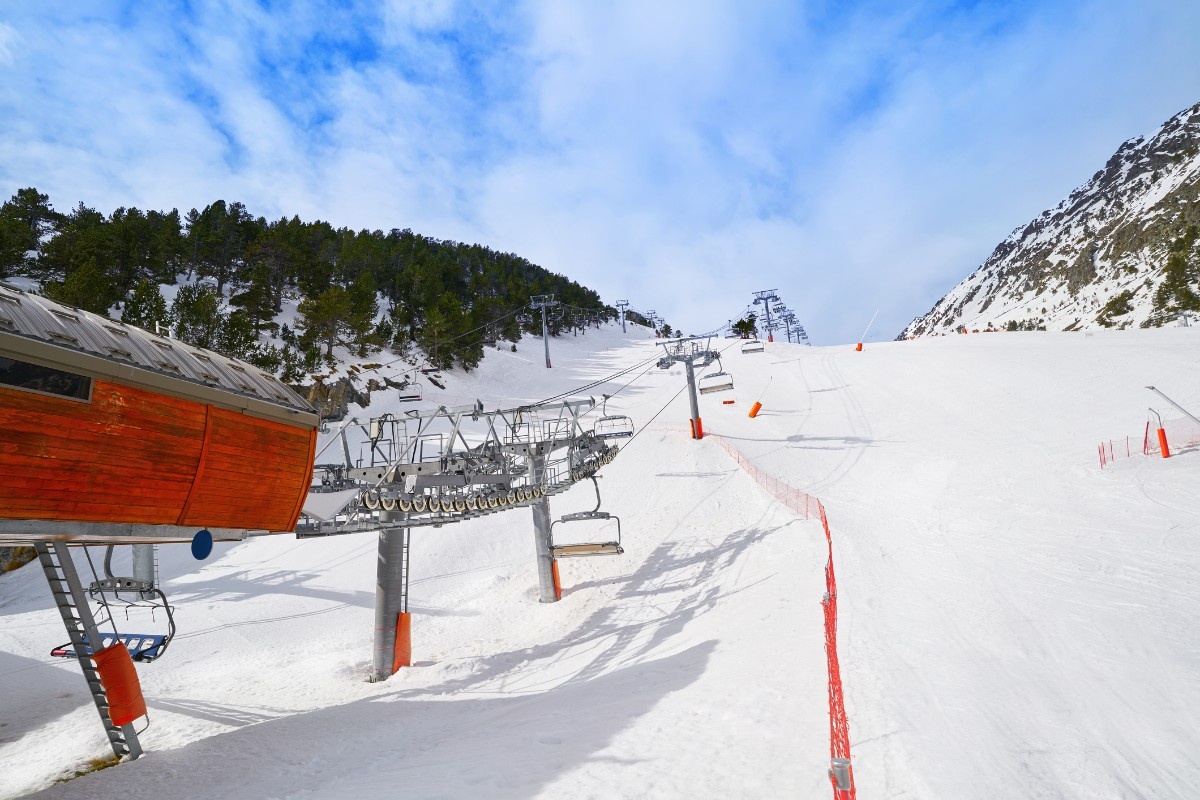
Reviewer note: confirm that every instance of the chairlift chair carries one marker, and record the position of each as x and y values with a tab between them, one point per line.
411	392
611	426
715	382
580	549
753	346
614	426
139	593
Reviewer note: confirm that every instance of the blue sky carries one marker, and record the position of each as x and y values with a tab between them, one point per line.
852	155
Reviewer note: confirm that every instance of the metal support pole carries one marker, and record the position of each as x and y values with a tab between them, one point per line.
391	599
144	566
697	430
88	622
546	337
541	536
1172	402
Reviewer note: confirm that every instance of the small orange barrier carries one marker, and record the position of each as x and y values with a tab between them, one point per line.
754	409
121	685
727	402
858	347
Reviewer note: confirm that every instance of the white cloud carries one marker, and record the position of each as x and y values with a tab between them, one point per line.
9	41
678	154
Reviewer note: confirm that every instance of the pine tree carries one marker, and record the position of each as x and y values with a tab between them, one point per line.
147	309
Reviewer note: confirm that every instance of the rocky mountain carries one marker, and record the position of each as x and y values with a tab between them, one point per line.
1120	251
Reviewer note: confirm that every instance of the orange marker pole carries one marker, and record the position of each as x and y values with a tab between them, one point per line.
754	410
1162	443
858	347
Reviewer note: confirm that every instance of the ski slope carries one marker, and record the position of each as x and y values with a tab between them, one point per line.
1014	621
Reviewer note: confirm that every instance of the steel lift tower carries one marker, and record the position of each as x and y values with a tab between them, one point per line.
766	297
621	306
691	354
544	301
440	466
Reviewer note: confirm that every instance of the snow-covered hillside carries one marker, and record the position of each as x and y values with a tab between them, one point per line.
1014	621
1102	257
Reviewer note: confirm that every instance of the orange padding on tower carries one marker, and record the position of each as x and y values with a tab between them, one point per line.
121	685
699	428
402	653
557	580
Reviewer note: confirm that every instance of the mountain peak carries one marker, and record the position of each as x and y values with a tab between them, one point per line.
1119	251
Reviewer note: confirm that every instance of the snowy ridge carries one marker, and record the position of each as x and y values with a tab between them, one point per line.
1013	621
1097	258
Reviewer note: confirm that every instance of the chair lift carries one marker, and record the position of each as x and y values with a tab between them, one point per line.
753	346
140	594
612	426
410	391
719	381
578	549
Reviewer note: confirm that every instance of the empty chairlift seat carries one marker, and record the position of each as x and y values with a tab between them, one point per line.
715	382
614	426
753	346
565	545
141	646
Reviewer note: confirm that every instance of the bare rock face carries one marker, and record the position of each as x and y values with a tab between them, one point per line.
1120	251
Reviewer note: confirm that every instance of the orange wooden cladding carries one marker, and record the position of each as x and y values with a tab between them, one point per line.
135	456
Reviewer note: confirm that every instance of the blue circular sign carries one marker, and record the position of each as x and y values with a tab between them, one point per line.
201	545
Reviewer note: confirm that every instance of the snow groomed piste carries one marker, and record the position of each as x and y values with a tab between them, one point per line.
1012	619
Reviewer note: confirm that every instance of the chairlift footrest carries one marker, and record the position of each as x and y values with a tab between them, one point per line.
143	647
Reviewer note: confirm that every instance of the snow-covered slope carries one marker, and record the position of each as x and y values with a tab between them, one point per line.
1101	257
1014	621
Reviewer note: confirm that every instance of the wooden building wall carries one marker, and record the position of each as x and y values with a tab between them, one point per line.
135	456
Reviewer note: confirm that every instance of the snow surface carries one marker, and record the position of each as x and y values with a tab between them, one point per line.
1014	621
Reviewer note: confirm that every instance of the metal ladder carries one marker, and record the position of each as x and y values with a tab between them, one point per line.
81	627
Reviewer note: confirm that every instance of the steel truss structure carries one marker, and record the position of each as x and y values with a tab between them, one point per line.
444	465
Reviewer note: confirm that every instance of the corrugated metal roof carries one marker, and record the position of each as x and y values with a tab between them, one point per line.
36	317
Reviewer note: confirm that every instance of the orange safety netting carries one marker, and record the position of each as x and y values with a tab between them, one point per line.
1180	433
841	775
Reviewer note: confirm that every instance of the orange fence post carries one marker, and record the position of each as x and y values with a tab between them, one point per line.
402	653
1162	443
